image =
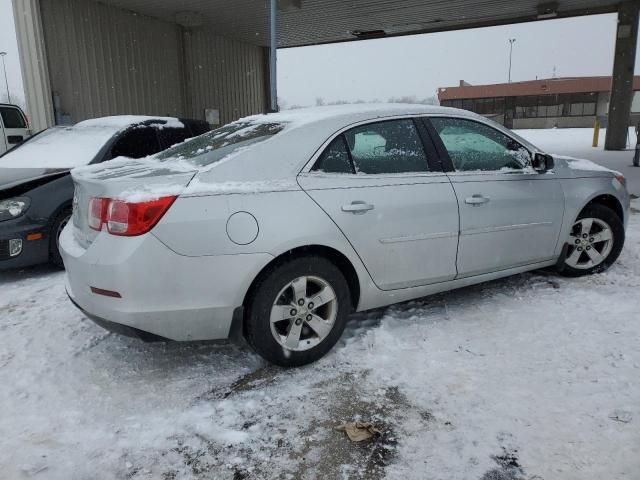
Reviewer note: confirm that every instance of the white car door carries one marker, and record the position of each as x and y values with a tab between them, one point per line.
401	218
510	215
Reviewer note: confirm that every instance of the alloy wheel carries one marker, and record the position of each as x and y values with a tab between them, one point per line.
303	313
590	243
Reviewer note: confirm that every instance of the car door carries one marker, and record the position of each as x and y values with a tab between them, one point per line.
15	126
510	215
374	181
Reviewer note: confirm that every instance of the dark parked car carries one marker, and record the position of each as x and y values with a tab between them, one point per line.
36	189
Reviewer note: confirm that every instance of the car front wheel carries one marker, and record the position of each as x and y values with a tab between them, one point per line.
595	241
57	226
298	311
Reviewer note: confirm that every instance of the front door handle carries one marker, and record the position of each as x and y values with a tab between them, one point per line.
477	199
357	207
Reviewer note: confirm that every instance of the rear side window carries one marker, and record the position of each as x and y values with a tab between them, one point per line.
198	128
138	142
212	147
335	158
173	136
12	118
392	146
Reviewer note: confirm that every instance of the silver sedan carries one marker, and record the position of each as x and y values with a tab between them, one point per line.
287	223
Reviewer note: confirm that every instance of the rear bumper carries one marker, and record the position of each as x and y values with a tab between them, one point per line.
161	293
33	251
119	328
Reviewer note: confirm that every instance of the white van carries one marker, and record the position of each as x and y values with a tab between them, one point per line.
14	127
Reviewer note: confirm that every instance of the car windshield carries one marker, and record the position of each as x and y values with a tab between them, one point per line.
214	146
59	147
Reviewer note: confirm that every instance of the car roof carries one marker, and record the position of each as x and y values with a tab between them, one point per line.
347	114
124	121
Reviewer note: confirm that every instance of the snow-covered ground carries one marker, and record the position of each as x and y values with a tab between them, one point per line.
532	377
577	142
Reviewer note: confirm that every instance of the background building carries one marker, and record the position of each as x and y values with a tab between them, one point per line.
216	59
555	102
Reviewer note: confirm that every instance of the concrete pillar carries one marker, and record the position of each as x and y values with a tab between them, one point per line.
33	63
622	85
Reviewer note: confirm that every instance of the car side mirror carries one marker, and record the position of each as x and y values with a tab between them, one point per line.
542	162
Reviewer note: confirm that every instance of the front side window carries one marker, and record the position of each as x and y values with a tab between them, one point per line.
12	118
473	146
173	136
138	142
392	146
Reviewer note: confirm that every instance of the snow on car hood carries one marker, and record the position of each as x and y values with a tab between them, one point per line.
583	166
60	147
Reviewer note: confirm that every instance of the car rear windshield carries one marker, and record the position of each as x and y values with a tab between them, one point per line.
218	144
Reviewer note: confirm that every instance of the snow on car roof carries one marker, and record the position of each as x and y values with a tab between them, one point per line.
305	116
124	121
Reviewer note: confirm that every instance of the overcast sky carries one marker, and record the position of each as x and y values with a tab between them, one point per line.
8	44
418	65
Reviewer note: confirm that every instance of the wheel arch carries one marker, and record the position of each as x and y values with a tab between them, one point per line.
67	204
607	200
334	256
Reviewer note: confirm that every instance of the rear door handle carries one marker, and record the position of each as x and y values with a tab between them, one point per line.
477	199
358	207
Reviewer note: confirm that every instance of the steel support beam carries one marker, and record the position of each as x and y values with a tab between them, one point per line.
273	56
33	63
623	70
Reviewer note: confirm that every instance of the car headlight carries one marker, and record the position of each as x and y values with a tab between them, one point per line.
13	207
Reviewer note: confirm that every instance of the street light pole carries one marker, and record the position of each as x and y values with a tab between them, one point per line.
6	81
273	57
511	42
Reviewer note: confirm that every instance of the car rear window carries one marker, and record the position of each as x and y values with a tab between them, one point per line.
212	147
12	118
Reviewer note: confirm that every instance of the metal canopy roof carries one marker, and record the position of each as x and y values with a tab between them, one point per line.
308	22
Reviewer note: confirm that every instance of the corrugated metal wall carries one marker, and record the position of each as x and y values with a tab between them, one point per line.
224	74
105	61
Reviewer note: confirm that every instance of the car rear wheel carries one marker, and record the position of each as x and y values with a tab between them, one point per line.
298	311
57	226
595	242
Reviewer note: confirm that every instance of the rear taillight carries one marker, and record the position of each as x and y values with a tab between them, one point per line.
97	212
128	218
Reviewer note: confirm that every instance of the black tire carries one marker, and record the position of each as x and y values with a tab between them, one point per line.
615	223
257	324
63	217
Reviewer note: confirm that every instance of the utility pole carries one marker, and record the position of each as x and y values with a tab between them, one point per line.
273	57
511	42
6	81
